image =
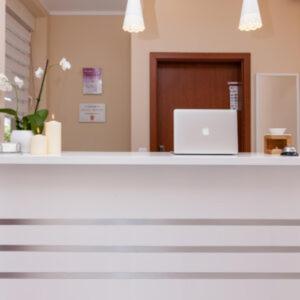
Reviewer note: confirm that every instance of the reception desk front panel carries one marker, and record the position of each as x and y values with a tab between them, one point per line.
80	231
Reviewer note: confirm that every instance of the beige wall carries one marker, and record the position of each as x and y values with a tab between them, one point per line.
39	45
39	50
277	106
211	26
91	41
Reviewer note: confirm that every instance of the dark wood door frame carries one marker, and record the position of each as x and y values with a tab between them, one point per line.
243	58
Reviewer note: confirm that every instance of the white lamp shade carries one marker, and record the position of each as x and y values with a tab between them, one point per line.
134	20
250	17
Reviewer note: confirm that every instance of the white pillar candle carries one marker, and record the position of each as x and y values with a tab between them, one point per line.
39	145
53	134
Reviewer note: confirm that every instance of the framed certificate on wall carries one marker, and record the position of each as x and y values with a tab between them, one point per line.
92	113
92	81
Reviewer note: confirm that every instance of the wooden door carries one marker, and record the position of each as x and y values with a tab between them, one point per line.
196	81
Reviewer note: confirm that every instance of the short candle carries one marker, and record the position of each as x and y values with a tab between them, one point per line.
39	144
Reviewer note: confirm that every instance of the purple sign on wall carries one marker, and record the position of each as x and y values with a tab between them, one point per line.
92	81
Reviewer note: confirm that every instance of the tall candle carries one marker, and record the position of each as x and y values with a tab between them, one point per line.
39	145
53	134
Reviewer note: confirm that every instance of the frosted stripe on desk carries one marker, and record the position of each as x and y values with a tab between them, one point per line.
152	222
152	276
149	249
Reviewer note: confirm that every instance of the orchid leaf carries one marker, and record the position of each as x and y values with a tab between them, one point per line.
26	124
36	121
43	114
9	111
14	114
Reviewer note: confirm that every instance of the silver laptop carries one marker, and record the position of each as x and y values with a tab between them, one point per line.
205	131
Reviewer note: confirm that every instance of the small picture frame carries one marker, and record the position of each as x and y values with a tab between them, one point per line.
92	81
92	113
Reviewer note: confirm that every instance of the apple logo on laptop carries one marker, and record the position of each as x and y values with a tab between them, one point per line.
205	131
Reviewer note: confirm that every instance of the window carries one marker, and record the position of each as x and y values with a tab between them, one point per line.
7	128
17	62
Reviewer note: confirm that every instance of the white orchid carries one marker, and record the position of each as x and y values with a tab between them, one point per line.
39	73
65	64
5	85
19	82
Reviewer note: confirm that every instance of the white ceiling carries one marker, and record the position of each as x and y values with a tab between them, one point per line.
88	6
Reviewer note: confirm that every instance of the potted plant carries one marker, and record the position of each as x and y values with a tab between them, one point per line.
34	122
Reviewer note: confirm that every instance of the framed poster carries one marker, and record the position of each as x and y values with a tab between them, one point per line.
92	81
92	113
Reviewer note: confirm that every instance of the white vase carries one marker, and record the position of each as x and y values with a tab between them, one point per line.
23	137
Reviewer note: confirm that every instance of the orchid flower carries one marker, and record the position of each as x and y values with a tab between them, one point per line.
65	64
42	74
5	85
19	82
8	86
39	73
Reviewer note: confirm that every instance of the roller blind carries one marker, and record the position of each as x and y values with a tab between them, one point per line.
17	61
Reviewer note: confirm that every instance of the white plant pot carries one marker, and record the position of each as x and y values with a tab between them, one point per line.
23	137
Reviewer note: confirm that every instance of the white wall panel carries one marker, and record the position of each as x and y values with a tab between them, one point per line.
149	262
150	192
151	235
151	289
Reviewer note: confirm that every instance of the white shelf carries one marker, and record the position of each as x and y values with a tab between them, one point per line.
145	159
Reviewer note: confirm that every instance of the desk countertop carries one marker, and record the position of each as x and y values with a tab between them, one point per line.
145	158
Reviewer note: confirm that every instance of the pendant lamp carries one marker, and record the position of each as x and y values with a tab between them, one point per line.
134	19
250	17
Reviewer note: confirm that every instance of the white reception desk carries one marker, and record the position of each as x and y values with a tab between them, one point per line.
149	159
149	226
